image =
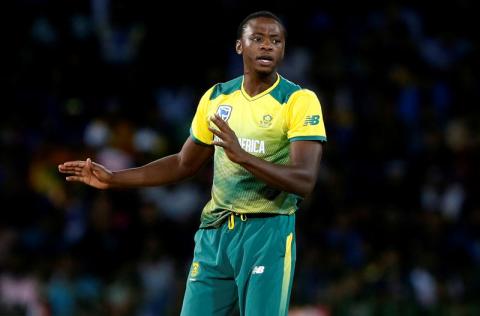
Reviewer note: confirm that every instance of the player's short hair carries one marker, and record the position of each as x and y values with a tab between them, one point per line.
259	14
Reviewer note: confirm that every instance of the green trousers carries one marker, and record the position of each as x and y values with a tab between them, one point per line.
247	262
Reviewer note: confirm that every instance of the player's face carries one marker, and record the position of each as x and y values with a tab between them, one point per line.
262	45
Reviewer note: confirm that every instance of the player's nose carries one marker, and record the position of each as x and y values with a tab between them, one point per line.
266	45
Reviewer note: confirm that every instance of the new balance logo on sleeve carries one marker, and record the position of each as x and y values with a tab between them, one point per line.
312	120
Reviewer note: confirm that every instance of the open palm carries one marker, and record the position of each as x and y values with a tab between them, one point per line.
88	172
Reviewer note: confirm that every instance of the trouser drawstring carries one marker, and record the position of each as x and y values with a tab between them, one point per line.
231	219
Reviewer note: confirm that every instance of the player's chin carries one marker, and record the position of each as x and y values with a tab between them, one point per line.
265	71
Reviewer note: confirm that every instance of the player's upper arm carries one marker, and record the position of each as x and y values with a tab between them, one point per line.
307	155
193	156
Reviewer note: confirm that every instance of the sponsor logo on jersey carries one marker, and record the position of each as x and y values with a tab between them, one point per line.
312	120
224	111
258	270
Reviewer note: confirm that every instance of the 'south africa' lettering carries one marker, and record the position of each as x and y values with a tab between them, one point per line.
250	145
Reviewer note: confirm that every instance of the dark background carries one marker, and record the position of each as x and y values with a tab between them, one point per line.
392	228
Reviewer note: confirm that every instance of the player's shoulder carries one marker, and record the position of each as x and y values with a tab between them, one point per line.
284	90
305	93
288	91
226	88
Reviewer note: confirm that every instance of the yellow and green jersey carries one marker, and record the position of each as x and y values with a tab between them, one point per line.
265	125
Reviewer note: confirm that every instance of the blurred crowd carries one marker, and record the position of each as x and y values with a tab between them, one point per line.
392	228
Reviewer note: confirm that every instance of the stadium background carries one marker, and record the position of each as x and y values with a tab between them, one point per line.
392	228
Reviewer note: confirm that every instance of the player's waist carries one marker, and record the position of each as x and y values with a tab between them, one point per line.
215	214
245	217
260	213
257	215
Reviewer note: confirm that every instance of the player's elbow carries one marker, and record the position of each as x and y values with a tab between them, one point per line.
306	186
185	168
305	191
188	171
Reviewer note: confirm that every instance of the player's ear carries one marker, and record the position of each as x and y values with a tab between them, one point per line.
238	47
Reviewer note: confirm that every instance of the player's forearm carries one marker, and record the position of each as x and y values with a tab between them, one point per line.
159	172
289	178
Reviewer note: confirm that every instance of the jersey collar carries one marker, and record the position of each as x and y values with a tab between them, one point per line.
258	96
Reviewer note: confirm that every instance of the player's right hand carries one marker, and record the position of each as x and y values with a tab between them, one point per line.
88	172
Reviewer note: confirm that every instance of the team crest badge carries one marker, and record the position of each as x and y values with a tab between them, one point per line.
266	121
224	111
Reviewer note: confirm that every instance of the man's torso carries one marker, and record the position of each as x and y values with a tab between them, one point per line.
261	124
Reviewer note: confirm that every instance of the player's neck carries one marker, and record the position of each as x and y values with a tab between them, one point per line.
255	84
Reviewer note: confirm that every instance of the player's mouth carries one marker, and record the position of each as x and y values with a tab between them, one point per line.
265	60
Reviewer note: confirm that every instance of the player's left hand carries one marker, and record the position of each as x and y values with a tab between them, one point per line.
227	139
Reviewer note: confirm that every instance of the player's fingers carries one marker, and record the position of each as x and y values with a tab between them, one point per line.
64	169
218	143
223	131
88	164
69	171
221	123
78	163
215	122
74	178
95	165
96	168
61	168
218	122
216	132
